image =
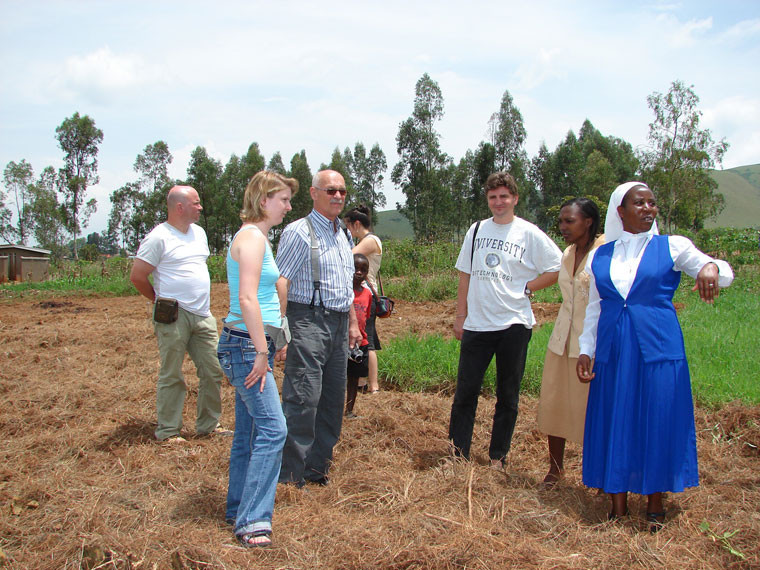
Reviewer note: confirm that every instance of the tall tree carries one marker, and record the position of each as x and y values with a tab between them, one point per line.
301	202
368	176
19	181
148	194
203	174
126	202
421	162
275	163
676	165
78	138
49	227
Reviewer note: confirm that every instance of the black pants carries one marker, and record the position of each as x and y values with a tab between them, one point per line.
478	348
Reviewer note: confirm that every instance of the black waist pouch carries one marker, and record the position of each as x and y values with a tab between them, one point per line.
165	310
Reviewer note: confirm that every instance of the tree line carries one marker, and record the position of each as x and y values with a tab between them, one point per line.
442	196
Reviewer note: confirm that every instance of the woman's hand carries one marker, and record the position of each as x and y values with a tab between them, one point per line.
583	369
707	282
258	372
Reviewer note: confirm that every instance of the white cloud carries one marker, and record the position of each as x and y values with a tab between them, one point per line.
102	75
742	30
684	34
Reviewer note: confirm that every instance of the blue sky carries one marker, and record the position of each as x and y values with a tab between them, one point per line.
295	75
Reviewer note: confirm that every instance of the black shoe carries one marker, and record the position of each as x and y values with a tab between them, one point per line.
656	521
322	481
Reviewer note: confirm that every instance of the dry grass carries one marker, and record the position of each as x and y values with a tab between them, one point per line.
83	483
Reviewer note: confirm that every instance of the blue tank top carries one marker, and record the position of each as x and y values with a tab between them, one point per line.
267	293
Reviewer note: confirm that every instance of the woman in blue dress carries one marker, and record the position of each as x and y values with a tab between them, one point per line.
639	435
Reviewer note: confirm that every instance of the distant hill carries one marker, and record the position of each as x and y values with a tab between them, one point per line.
740	187
391	224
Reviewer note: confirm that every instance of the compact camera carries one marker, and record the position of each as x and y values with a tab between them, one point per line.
356	354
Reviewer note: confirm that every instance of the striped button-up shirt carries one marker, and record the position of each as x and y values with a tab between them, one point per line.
336	262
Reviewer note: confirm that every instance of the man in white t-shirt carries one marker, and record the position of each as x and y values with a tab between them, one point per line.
175	253
498	273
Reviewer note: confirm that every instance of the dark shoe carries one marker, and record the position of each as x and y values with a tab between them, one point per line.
656	521
255	539
322	481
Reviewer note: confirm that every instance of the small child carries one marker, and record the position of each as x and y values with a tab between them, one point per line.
358	362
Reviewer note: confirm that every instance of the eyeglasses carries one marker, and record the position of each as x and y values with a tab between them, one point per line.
333	191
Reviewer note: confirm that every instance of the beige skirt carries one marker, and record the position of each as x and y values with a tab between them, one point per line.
562	404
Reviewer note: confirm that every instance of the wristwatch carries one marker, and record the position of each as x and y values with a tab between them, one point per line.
528	292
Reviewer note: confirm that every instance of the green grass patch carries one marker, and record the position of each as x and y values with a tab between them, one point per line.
720	339
429	363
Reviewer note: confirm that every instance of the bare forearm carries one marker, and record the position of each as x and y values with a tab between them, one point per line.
543	281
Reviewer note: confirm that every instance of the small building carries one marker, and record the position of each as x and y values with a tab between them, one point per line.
21	263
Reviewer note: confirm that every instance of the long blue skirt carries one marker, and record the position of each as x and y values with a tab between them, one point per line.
639	434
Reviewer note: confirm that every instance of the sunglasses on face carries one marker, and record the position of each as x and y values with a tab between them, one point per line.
333	191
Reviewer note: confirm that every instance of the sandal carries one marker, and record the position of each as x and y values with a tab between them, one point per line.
656	521
253	539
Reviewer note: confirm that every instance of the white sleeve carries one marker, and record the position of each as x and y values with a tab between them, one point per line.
687	258
464	261
151	249
587	340
551	255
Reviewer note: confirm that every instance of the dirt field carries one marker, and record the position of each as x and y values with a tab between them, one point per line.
84	484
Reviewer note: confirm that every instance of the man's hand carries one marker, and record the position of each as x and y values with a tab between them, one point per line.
354	334
459	326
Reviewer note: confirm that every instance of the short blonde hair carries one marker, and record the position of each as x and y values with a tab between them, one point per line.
263	185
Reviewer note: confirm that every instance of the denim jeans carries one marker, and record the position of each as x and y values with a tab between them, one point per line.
477	349
260	432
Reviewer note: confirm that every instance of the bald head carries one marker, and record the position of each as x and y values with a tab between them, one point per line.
184	207
178	194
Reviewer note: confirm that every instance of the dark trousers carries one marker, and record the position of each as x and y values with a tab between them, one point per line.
313	389
477	349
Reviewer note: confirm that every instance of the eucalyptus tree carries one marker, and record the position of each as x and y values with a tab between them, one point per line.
680	155
18	179
204	174
78	138
49	227
421	163
368	174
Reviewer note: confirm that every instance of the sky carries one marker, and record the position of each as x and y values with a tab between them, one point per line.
293	75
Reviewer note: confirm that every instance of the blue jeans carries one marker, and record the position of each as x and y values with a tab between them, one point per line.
260	432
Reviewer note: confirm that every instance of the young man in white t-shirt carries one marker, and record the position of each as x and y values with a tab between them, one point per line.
498	273
175	252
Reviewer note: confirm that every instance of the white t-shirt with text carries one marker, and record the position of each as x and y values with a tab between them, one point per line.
505	258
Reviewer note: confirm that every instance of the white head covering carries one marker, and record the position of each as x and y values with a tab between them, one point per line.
613	223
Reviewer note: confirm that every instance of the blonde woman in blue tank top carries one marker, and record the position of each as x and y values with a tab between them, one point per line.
247	354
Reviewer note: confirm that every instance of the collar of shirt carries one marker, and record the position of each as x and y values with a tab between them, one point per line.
321	220
633	244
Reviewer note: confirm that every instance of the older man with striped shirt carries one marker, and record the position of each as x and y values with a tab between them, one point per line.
322	324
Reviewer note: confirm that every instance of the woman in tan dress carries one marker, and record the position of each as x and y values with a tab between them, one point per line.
562	405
